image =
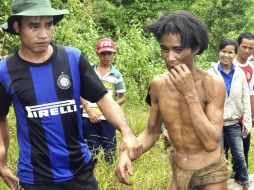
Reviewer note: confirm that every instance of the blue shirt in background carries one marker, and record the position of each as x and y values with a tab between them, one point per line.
227	77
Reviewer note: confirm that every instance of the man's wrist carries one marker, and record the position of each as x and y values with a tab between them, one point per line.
126	132
2	166
86	106
192	100
192	97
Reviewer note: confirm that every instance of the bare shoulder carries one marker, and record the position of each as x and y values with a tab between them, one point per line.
160	79
158	83
213	84
213	80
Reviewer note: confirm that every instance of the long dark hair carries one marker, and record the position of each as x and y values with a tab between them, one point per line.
193	32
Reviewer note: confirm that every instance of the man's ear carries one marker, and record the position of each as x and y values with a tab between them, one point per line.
16	26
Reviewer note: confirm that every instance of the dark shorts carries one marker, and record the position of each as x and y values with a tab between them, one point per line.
100	136
191	179
84	180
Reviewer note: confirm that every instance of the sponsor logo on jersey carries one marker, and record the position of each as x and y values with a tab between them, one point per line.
51	109
64	81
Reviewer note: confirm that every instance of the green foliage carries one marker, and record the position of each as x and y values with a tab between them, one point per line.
6	43
138	59
151	170
78	28
138	56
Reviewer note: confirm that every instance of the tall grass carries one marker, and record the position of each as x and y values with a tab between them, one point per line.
151	170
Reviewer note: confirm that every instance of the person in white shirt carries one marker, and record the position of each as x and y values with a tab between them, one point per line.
243	60
237	106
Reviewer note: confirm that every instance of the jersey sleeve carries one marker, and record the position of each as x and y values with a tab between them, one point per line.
5	101
120	86
92	88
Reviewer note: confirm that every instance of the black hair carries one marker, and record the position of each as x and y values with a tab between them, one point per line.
18	19
247	35
148	96
227	41
12	20
193	32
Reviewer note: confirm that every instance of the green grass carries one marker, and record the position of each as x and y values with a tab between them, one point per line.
151	170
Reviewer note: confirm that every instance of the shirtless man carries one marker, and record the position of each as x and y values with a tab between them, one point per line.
190	102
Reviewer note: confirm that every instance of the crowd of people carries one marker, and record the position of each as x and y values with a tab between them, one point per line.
202	113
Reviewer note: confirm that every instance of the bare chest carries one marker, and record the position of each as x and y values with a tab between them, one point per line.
173	106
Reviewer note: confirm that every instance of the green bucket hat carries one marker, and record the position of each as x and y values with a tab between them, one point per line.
32	8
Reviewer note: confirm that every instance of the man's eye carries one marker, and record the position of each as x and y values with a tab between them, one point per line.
164	49
178	50
50	24
33	26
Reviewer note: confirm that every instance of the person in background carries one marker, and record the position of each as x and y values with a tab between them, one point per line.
44	83
190	101
243	60
237	106
98	132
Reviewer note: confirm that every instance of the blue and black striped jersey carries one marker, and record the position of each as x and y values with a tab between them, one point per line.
46	100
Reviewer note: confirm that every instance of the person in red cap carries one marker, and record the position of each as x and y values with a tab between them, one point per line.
98	132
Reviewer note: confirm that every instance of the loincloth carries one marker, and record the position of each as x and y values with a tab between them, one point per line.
192	179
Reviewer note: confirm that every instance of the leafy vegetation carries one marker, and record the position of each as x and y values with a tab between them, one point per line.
138	55
138	59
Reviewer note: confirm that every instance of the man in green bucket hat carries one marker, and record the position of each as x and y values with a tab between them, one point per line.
32	8
44	82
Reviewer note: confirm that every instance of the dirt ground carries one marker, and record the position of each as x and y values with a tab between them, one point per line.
234	186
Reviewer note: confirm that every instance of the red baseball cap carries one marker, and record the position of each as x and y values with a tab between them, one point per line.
105	44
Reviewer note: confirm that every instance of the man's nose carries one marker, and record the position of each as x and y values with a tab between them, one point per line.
43	33
170	56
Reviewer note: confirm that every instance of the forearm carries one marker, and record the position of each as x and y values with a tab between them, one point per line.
4	141
246	101
252	103
85	104
87	108
114	114
153	131
206	131
7	175
148	138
